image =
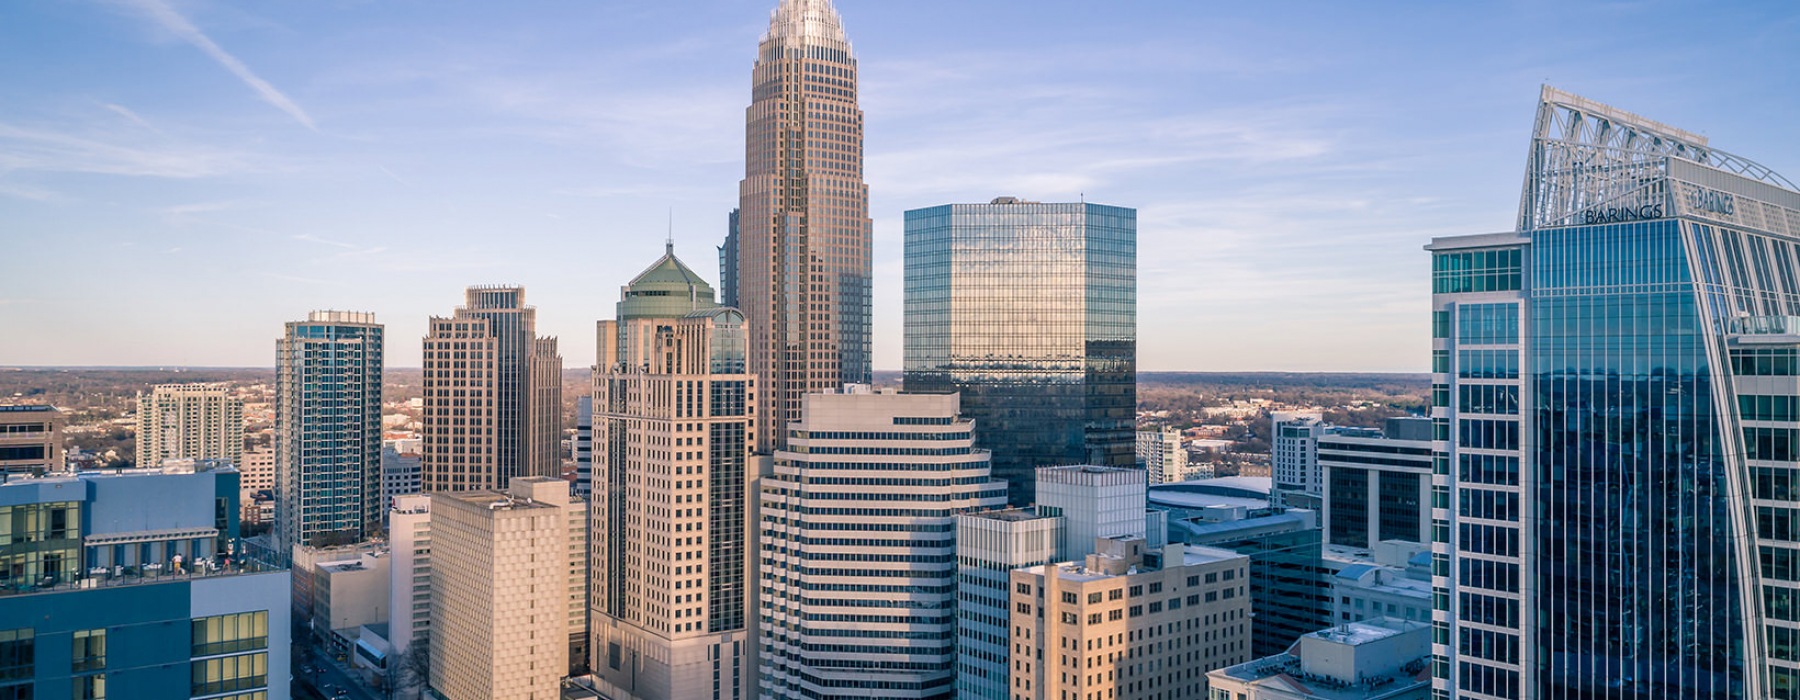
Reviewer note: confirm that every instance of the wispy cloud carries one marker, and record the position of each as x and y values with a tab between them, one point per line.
172	21
99	151
131	116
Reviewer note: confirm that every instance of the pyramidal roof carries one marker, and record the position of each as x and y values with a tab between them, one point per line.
813	22
668	270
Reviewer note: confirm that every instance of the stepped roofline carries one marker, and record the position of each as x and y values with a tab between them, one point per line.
812	22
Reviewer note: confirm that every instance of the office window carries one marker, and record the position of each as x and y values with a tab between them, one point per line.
18	654
228	673
227	634
90	651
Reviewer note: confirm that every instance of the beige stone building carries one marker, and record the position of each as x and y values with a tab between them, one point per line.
501	589
1129	623
492	395
190	421
671	436
804	236
30	439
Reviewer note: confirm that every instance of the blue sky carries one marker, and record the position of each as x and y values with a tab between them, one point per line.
178	178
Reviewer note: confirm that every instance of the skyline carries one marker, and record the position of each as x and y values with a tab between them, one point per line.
244	169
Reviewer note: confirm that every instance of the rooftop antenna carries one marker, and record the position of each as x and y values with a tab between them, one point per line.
669	243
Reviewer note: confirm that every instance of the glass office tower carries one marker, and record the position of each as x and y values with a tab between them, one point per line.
1614	401
1030	311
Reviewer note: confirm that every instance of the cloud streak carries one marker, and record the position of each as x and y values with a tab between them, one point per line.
178	25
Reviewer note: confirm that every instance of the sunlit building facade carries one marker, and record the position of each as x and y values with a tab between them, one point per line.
670	510
859	568
328	430
803	233
1029	310
493	395
1615	402
189	421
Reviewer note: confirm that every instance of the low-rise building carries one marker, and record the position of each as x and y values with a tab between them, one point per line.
1393	580
1376	659
30	440
1289	579
1128	622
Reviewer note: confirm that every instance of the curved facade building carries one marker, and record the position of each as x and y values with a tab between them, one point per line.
803	231
1615	418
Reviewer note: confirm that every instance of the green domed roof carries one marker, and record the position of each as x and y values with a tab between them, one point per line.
667	288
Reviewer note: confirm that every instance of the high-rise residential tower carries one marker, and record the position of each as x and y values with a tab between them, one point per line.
190	421
1616	415
493	395
328	430
1028	310
859	570
670	518
803	243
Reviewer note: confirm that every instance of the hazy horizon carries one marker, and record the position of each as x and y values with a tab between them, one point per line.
180	178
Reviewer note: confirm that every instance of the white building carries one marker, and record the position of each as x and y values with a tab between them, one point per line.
988	546
1376	659
409	589
1094	501
1160	452
1294	451
858	549
189	421
1392	580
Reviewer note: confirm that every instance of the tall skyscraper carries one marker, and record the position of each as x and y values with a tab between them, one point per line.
493	395
858	553
1615	421
804	232
327	430
189	421
671	435
1030	311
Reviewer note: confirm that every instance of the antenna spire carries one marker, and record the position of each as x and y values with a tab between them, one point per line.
669	243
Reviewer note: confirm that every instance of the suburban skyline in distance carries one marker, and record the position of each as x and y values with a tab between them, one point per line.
179	179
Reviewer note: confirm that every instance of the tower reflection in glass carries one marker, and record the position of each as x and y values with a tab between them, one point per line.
1030	311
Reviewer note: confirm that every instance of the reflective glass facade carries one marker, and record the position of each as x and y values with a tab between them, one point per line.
1030	311
1613	398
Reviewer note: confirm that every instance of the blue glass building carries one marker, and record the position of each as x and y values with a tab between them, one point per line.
327	431
1614	402
1030	311
124	586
